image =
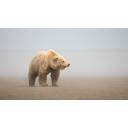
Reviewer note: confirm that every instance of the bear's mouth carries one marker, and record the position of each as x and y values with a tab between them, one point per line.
62	67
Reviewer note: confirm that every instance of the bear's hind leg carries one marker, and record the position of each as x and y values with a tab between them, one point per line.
55	76
43	80
32	79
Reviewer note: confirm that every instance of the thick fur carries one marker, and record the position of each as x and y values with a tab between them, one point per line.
44	63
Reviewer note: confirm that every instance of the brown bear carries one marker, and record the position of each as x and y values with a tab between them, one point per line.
42	64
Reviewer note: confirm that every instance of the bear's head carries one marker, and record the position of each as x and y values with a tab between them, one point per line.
59	62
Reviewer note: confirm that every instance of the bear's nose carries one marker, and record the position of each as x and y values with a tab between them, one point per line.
68	65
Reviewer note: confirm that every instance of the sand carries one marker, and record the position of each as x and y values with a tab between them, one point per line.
69	89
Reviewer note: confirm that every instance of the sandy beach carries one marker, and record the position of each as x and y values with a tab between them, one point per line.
68	89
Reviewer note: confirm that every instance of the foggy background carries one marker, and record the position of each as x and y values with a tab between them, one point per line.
91	52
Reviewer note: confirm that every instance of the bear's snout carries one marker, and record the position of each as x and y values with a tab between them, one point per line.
68	65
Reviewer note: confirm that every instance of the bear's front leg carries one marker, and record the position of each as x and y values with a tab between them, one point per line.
55	76
43	80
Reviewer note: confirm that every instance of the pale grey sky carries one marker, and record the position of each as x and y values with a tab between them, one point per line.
81	39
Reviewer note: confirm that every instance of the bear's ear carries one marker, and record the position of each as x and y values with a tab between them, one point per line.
55	58
52	52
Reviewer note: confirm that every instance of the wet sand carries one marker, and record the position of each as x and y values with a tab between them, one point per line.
68	89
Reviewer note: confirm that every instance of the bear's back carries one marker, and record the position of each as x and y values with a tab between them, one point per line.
38	59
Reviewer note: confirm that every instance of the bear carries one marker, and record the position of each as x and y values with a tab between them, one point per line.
43	63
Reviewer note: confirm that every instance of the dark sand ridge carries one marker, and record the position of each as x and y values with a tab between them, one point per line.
69	88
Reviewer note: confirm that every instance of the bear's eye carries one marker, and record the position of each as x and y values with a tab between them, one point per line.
63	61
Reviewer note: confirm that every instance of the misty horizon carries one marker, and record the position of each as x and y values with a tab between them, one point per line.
91	52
